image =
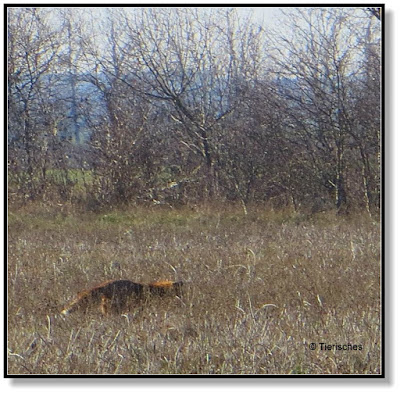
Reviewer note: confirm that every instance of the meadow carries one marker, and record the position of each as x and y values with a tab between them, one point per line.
260	290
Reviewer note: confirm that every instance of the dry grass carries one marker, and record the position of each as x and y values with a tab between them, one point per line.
260	288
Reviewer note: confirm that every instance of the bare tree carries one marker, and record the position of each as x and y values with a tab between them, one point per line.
33	49
318	65
366	123
198	63
122	154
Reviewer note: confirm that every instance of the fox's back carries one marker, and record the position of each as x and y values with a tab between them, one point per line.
119	288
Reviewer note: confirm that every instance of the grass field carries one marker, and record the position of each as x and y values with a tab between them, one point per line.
259	290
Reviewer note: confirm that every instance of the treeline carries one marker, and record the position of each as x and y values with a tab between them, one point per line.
180	105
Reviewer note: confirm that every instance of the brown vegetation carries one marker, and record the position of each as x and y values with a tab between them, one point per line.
262	288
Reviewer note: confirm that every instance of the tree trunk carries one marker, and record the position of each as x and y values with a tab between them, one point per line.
366	173
212	176
341	196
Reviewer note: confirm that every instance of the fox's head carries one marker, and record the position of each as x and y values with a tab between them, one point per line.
178	286
81	301
66	311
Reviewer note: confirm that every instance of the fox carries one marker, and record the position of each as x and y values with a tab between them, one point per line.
117	295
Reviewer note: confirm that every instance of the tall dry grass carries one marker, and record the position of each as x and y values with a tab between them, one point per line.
259	290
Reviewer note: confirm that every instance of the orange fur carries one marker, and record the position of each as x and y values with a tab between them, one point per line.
118	295
163	287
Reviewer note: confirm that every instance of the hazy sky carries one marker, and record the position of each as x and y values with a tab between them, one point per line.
267	15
